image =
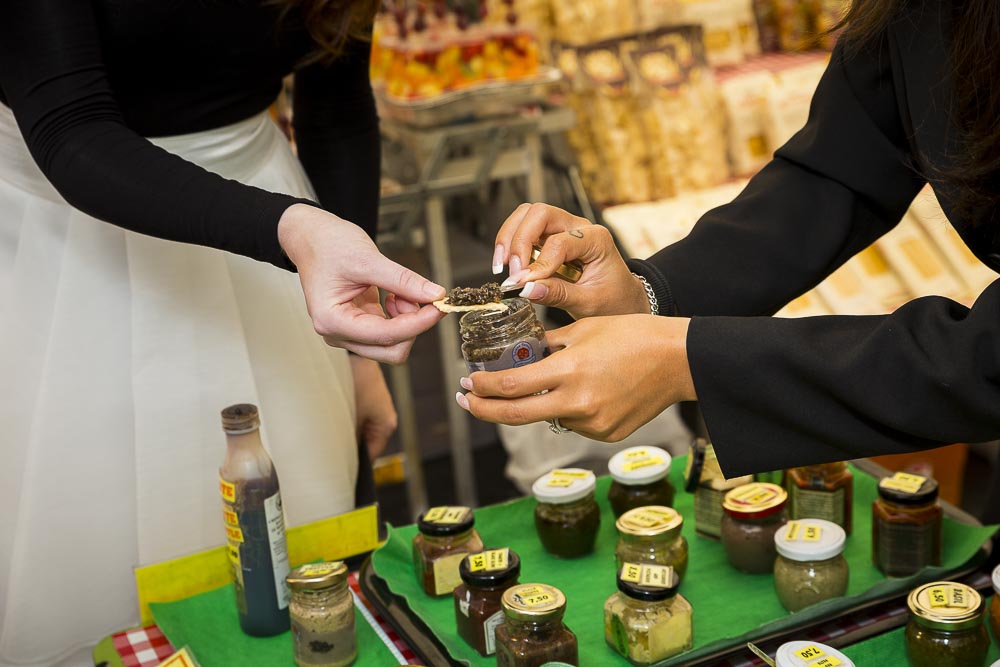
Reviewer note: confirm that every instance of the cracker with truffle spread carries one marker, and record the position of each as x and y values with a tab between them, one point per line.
465	299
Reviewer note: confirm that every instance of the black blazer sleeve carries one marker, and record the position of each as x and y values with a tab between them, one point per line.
337	134
783	392
53	77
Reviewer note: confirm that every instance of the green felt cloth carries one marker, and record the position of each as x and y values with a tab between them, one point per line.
889	650
209	626
729	607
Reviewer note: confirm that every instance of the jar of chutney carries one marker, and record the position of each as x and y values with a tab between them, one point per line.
810	566
446	537
652	535
478	610
533	632
753	514
824	491
639	479
567	517
906	525
946	626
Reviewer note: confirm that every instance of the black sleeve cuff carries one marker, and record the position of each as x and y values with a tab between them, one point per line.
659	283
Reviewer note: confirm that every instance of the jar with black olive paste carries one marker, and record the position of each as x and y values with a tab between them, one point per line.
753	514
810	566
823	491
995	604
496	340
322	616
906	525
809	654
533	633
478	611
647	620
567	517
446	537
946	626
703	477
639	479
652	535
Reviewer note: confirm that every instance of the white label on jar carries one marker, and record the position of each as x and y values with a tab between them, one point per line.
827	505
446	577
521	353
490	631
708	511
279	548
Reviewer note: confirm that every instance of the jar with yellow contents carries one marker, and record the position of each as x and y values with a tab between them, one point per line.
647	620
652	535
533	632
946	626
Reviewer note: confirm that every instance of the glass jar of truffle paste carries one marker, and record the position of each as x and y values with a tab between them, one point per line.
478	611
810	567
995	604
946	626
703	477
495	340
822	492
639	479
652	535
567	516
809	654
533	633
753	514
322	615
647	621
906	525
446	537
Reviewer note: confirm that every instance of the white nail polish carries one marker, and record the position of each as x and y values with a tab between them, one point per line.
498	260
528	289
514	264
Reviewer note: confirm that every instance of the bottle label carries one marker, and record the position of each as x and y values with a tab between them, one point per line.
828	505
521	353
904	547
446	577
279	548
708	511
490	631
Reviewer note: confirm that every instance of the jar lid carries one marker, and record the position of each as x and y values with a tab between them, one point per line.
808	540
695	464
996	580
754	500
808	654
490	568
445	520
316	576
533	602
240	418
650	521
639	465
564	485
946	605
908	489
652	583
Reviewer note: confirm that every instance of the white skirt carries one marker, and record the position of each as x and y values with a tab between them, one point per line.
117	352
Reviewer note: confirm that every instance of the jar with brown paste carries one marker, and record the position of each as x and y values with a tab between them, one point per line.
810	566
446	537
478	610
753	514
647	620
639	479
906	525
567	516
824	491
946	626
533	632
995	604
703	477
652	535
322	616
496	340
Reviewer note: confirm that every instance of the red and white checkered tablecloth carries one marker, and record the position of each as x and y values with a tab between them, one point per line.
143	647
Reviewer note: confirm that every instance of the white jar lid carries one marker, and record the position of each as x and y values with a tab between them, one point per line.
807	654
996	580
810	540
639	465
564	485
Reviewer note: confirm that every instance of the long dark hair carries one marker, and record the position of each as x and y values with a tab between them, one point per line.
332	23
975	174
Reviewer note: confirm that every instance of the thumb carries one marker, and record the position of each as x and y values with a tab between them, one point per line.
399	280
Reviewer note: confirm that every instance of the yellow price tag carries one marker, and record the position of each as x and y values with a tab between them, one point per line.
810	652
489	561
957	598
434	514
637	454
939	597
812	533
828	661
231	518
234	554
631	572
227	490
446	514
656	576
792	532
646	519
570	473
234	534
907	478
561	482
631	466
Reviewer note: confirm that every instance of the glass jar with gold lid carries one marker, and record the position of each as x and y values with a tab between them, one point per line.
647	620
946	626
322	616
652	535
446	536
533	632
753	514
639	479
567	517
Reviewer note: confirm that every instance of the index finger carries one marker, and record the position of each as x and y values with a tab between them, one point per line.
528	224
349	323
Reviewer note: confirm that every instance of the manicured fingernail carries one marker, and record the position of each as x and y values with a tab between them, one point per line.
462	400
466	383
515	279
515	264
534	291
498	260
433	291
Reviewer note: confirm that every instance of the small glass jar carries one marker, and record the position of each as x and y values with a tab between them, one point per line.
823	491
652	535
322	615
647	621
639	479
995	604
533	633
810	566
753	514
946	626
446	537
809	654
478	610
703	477
906	525
567	517
495	340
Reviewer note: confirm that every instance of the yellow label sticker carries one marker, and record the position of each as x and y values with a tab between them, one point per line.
434	513
182	658
812	533
631	572
810	652
489	561
533	596
636	454
828	661
792	531
939	597
446	514
234	554
656	576
234	534
631	466
577	474
561	482
907	478
230	517
646	519
957	597
227	490
318	569
904	482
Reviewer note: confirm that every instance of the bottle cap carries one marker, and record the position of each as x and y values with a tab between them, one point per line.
639	465
651	521
754	500
443	521
316	576
946	605
807	540
652	583
241	418
809	654
564	485
490	568
533	602
908	489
